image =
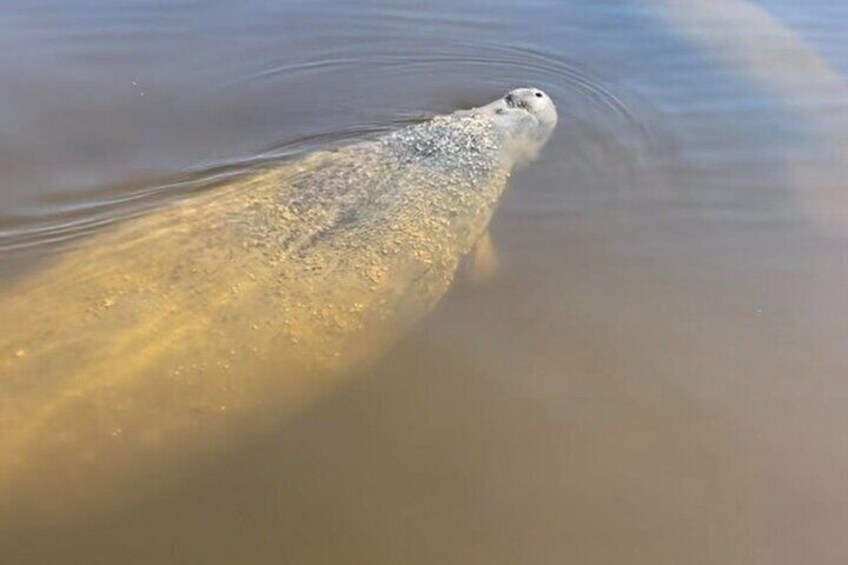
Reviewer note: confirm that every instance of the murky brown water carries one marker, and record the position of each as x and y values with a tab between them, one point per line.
657	374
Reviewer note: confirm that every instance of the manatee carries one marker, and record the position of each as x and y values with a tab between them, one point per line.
167	337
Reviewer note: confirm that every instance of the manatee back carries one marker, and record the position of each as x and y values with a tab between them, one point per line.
161	337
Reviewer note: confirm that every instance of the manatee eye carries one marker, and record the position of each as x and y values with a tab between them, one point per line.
539	95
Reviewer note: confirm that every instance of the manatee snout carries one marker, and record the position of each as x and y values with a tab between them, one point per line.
527	116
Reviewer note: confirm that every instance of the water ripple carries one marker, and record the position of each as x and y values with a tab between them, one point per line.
581	94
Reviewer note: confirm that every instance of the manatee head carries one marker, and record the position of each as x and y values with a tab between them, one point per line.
527	116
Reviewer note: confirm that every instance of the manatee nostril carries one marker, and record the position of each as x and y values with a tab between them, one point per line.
539	95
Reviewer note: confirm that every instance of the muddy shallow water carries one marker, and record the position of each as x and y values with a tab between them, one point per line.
658	373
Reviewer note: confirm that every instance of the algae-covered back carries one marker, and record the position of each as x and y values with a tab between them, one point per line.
164	335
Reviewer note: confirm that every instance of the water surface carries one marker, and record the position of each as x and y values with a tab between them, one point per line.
657	374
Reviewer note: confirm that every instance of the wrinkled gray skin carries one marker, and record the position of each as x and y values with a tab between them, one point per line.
527	115
169	337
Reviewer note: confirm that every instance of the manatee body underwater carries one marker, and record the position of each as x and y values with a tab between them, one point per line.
165	336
